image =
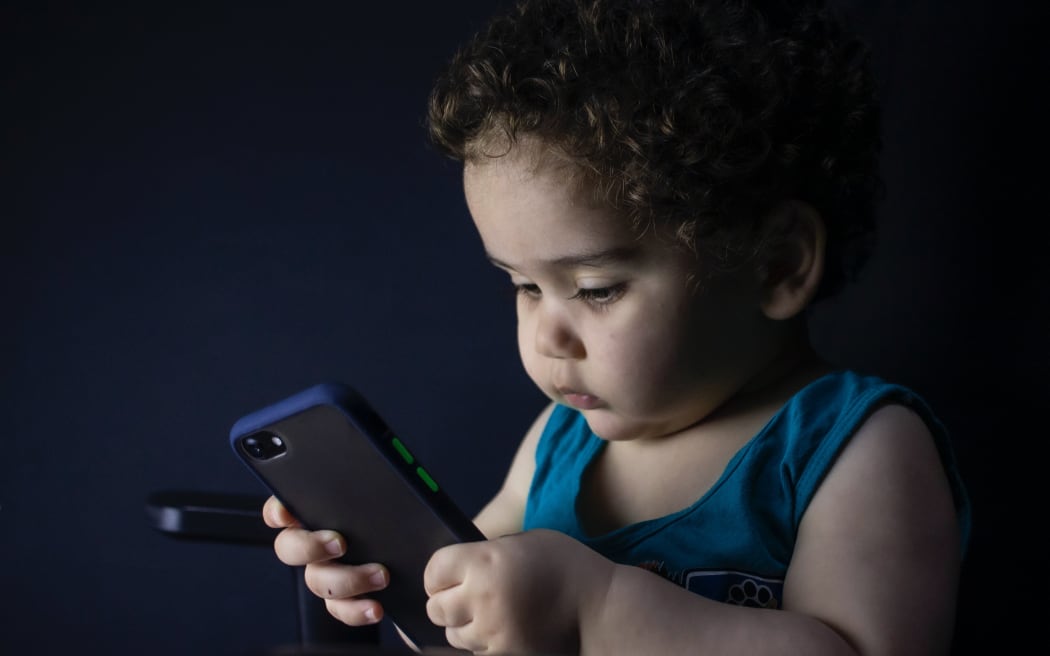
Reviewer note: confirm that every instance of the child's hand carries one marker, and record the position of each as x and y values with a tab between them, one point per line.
338	584
516	594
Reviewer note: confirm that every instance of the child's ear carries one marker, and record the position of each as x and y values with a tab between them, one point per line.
791	262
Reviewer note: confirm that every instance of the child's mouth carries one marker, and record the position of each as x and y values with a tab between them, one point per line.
579	400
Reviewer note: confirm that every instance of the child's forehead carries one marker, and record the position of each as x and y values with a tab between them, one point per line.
519	189
530	166
534	219
519	177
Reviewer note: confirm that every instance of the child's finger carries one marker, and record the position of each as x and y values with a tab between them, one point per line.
355	612
338	581
276	515
297	546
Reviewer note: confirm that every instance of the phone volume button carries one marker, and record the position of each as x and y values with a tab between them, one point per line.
431	483
406	455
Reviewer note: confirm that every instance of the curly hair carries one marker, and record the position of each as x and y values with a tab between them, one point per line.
703	114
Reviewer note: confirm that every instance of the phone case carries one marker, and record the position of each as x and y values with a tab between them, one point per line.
335	464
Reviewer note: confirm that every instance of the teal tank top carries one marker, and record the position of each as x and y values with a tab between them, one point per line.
735	542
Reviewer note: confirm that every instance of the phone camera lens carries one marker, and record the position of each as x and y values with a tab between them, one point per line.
263	446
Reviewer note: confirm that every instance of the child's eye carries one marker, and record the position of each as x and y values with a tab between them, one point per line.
601	295
528	290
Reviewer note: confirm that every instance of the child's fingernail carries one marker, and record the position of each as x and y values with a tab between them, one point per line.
378	578
370	614
334	547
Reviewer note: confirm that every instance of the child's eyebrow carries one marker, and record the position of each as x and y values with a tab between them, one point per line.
596	259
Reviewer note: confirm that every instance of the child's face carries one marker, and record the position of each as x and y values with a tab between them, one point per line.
608	322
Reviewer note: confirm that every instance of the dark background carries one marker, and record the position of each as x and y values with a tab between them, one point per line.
206	209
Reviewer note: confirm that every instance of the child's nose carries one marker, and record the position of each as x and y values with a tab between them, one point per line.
555	335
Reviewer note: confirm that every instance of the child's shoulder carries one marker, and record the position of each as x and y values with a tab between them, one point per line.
818	419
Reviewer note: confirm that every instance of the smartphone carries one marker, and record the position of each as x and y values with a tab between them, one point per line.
335	464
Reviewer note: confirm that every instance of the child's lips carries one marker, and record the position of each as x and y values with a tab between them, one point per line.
580	400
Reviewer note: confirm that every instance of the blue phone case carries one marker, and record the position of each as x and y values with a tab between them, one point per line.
336	464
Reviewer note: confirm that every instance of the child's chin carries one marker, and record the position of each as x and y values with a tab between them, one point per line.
608	426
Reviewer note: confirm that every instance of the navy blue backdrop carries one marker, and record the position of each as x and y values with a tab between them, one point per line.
206	209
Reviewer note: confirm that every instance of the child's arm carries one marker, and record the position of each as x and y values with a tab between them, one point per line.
875	571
